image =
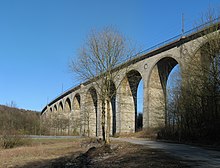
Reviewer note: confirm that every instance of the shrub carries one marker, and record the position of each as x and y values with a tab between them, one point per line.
12	139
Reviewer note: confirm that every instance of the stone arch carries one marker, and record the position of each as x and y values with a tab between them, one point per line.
212	38
206	69
67	110
50	112
76	102
128	101
90	113
60	107
209	51
75	115
196	54
67	106
55	108
54	117
201	60
157	83
63	126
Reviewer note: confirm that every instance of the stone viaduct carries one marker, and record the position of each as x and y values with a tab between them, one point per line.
81	105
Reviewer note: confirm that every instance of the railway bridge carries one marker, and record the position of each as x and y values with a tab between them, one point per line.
81	106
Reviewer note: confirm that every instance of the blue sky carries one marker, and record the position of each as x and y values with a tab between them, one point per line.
39	37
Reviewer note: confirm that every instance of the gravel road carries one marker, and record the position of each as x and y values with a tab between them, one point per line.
194	156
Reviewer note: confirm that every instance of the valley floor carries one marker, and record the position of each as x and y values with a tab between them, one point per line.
86	153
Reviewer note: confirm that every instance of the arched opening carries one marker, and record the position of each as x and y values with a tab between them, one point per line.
61	123
67	110
55	108
209	92
76	102
60	107
215	72
173	92
205	91
90	114
210	61
75	117
67	106
193	112
113	106
157	92
140	101
54	125
50	112
128	101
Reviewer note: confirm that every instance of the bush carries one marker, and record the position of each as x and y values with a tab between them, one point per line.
9	140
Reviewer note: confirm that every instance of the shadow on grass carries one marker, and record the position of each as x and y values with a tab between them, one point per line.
60	162
115	155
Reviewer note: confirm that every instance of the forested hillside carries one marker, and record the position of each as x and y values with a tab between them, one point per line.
14	120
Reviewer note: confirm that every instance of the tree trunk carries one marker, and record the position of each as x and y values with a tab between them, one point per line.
108	122
103	119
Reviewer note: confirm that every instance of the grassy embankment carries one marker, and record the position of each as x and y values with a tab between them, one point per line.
38	150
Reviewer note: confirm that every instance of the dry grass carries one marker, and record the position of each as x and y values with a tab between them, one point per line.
145	133
40	150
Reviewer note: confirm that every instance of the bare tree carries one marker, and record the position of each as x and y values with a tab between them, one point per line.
12	104
102	52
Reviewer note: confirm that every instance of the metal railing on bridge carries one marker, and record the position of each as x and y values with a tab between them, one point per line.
156	47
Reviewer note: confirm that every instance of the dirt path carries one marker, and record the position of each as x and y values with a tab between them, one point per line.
195	156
